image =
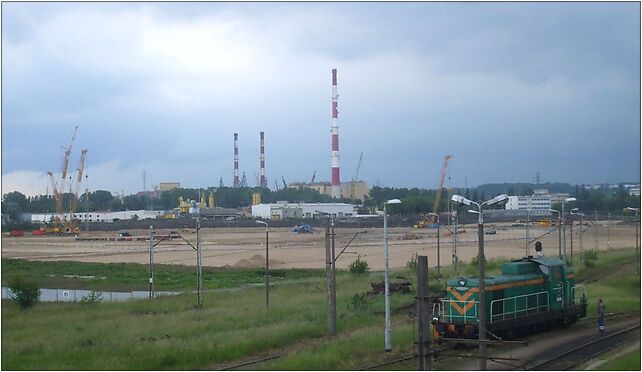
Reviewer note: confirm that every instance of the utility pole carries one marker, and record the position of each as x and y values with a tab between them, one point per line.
332	325
608	233
423	335
482	295
559	235
438	258
528	223
581	245
454	236
571	242
334	277
595	231
199	263
151	261
86	206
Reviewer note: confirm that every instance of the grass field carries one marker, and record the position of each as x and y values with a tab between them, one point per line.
627	362
129	276
234	326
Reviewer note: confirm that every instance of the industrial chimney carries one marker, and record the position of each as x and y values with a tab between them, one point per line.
336	181
236	160
263	181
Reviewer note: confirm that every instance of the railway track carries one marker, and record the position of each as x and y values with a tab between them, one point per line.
569	358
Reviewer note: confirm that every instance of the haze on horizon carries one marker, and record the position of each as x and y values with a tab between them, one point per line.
509	89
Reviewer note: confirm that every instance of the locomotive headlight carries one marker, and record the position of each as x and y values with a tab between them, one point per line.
462	282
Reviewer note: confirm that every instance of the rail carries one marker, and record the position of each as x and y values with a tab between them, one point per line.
569	358
439	310
516	301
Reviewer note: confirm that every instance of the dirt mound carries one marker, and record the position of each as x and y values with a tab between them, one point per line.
254	262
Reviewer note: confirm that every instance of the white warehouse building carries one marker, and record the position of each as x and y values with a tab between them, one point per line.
537	205
281	210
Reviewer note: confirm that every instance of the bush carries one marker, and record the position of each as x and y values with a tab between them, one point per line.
92	298
24	292
475	262
359	266
590	255
412	262
358	302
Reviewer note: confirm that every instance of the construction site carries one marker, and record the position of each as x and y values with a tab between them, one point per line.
535	253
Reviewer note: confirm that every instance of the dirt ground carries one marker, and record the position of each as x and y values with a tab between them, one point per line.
245	247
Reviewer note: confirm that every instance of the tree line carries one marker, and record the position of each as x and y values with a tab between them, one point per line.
415	201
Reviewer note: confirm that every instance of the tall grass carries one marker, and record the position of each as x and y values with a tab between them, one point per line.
169	333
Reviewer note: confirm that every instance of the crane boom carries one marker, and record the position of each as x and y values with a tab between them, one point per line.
313	176
442	176
57	195
81	167
356	174
65	161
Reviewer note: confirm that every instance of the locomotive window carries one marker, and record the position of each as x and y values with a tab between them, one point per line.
543	269
557	273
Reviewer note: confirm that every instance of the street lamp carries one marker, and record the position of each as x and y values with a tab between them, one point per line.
559	230
388	335
637	237
438	250
267	264
576	212
499	199
567	200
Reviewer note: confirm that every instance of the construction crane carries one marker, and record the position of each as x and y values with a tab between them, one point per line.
442	176
65	164
313	176
276	185
356	175
285	185
79	171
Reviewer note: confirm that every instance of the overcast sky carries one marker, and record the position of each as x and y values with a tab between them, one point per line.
509	89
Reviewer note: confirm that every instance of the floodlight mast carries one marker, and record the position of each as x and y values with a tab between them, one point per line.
388	331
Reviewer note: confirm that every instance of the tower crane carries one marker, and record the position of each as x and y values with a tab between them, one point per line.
313	176
442	176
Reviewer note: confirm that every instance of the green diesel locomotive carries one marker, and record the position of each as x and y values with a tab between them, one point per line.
530	293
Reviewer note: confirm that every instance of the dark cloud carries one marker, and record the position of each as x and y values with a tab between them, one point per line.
509	89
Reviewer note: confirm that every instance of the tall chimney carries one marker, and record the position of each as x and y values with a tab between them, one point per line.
263	182
236	160
336	181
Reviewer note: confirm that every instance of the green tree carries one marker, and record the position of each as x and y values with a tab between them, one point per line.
14	203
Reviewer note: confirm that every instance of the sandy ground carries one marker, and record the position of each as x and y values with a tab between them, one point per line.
245	247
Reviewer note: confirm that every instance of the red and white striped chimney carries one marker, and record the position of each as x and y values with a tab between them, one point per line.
336	180
263	182
236	160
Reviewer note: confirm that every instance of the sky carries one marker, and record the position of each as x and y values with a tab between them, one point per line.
509	89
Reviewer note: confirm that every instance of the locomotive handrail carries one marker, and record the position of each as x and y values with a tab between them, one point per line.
513	313
583	290
448	317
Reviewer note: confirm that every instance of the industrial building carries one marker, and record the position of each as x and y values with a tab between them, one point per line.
97	216
537	205
352	190
282	210
165	186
